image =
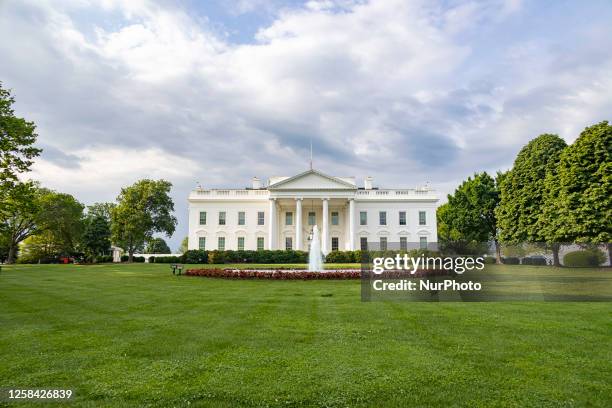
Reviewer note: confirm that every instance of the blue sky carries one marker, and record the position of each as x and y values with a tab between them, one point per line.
216	92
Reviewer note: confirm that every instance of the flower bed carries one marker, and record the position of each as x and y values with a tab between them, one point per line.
272	274
301	275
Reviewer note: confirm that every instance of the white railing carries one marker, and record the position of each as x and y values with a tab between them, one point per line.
229	193
395	193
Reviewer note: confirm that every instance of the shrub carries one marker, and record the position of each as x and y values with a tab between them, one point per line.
216	257
511	260
489	260
586	258
166	259
534	260
138	259
195	256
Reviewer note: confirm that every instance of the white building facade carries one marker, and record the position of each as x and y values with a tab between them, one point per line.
282	214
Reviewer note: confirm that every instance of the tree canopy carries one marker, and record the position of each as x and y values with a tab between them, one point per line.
468	221
578	204
143	209
522	190
16	142
157	246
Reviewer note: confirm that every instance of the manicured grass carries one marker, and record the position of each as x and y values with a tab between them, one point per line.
134	335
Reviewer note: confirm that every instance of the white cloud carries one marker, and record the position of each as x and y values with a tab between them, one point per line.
405	91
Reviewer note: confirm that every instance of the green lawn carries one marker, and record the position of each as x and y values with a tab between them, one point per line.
134	335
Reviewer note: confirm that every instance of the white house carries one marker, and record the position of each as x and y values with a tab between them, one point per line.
282	214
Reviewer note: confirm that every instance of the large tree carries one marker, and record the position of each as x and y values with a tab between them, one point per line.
19	215
578	202
157	246
143	209
522	192
61	216
468	220
97	230
17	137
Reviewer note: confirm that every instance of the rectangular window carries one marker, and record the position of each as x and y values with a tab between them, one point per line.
403	243
334	243
288	243
221	244
222	218
288	218
382	218
202	243
311	218
260	218
383	243
241	243
335	218
422	218
260	243
363	243
423	242
202	217
363	218
241	218
402	218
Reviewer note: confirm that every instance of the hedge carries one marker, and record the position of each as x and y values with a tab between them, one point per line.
511	260
534	260
587	258
125	258
166	259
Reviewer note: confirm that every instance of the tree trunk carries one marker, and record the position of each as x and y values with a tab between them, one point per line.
12	255
555	249
609	245
498	259
130	256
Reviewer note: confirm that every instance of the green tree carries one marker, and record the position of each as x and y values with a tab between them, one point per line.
143	209
578	202
522	192
468	220
19	215
184	245
16	139
97	230
157	246
62	217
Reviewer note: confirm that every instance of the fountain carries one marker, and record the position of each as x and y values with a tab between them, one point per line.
315	257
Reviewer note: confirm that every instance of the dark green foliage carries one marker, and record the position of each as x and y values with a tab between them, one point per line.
17	137
511	260
195	256
468	221
579	200
166	259
157	246
584	258
534	260
142	209
522	190
96	235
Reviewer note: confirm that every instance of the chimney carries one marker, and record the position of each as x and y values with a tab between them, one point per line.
256	183
367	184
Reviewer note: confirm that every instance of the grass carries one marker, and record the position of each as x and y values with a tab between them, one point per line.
135	335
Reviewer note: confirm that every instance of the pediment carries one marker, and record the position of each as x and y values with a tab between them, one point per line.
312	180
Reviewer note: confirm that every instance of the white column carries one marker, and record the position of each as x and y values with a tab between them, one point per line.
298	224
325	227
272	224
351	224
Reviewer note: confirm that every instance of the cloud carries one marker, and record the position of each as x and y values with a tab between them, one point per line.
405	91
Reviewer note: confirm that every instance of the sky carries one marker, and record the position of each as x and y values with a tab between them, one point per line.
216	92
